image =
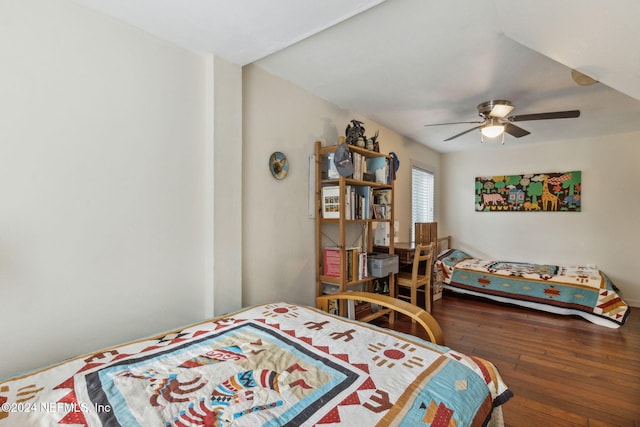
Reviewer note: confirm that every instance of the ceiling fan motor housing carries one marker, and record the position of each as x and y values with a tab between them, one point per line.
498	108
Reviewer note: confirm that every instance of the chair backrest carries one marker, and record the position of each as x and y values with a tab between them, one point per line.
425	232
423	257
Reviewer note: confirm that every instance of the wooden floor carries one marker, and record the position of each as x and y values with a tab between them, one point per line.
563	371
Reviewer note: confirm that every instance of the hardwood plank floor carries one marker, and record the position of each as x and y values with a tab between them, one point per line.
563	371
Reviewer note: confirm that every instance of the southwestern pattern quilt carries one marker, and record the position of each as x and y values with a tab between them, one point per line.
571	290
272	365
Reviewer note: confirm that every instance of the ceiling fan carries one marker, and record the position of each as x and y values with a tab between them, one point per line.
496	120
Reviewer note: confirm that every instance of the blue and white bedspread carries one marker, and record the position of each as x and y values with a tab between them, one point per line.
272	365
582	291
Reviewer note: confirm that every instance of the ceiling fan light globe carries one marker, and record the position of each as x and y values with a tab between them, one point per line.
492	129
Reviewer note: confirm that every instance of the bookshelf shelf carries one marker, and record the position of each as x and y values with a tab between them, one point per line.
355	182
346	207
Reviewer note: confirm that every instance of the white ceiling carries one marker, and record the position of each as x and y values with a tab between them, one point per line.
239	31
407	63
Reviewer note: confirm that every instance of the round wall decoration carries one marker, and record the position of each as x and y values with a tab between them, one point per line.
279	165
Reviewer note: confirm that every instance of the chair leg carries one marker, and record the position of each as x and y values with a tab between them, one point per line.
414	299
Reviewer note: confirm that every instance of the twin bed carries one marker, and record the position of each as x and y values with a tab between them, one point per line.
271	365
568	290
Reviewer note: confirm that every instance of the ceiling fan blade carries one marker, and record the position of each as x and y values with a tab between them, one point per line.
514	130
546	116
462	133
453	123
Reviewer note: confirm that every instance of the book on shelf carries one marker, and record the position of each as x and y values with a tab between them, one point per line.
357	201
363	202
363	270
332	171
331	202
356	309
330	289
379	167
348	197
374	169
382	203
359	166
356	263
365	168
362	308
382	233
379	212
331	262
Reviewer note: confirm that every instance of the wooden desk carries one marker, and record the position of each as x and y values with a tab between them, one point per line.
404	250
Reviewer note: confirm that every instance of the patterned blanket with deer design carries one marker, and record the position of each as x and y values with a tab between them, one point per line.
572	290
272	365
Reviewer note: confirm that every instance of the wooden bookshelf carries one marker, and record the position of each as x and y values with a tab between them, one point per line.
347	219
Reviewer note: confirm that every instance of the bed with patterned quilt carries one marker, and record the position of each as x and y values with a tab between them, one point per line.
278	364
569	290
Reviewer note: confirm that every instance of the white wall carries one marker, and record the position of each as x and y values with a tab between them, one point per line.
227	292
278	235
102	134
606	232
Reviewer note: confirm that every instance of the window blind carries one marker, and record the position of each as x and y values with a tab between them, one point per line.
422	195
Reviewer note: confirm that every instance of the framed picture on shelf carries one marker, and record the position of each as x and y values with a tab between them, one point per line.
378	212
331	202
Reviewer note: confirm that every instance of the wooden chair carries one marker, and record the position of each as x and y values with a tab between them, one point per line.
419	277
425	232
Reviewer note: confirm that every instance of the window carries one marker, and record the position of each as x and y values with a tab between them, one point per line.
422	195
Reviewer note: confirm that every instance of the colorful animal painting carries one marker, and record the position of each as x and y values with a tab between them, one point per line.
539	192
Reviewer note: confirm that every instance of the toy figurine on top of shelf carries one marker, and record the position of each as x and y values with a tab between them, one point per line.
355	136
355	133
375	145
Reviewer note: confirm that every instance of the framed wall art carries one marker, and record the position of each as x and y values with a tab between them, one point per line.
278	165
545	192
